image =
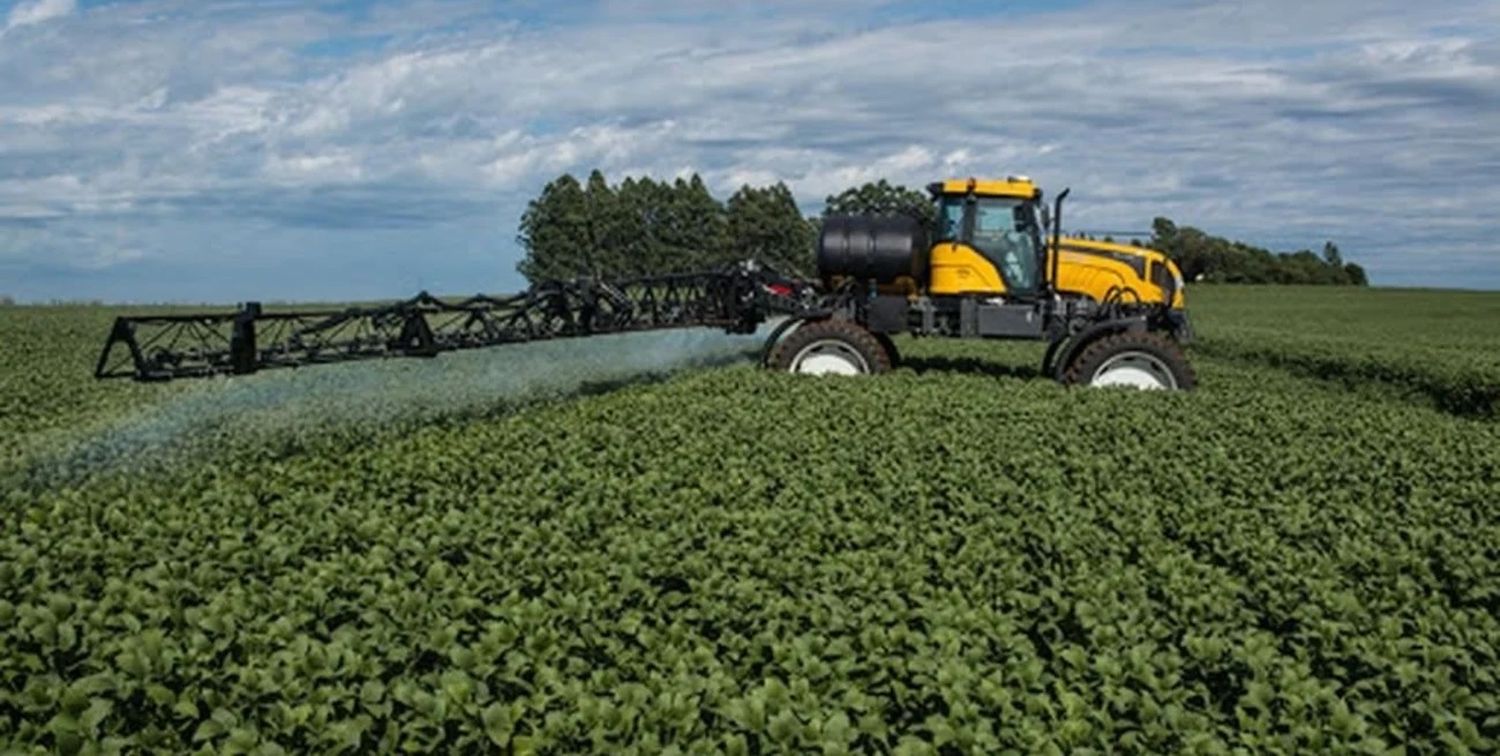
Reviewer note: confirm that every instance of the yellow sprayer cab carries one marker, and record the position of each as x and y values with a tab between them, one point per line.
986	240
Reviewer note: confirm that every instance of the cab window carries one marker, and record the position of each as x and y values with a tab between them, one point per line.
950	220
1005	231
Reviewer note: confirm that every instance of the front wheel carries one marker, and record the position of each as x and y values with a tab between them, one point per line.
1135	359
831	347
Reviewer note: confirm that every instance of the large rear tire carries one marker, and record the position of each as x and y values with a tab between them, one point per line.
831	347
1135	359
890	348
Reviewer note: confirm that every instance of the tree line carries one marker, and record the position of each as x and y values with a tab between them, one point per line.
642	226
1205	257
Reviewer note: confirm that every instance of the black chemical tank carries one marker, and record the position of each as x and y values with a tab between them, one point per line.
873	247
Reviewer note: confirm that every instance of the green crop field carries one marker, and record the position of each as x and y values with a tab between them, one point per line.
569	547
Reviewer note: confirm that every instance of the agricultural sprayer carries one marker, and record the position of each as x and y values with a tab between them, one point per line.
1111	314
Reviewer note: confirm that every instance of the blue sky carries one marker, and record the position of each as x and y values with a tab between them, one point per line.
219	150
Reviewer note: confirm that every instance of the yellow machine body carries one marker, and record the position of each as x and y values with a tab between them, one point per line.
1018	188
1087	268
1094	269
957	268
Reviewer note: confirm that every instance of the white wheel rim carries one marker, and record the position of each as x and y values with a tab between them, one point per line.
1137	370
829	357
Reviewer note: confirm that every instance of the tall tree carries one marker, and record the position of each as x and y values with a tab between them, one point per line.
693	228
1332	256
639	201
766	225
613	229
639	228
555	233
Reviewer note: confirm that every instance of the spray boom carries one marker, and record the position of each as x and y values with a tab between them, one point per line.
164	347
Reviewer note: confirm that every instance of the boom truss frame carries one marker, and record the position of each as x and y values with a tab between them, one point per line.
255	338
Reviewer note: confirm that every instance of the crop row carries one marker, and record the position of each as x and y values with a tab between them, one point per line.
1462	384
1440	348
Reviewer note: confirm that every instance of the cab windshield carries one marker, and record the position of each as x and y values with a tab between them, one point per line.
1003	229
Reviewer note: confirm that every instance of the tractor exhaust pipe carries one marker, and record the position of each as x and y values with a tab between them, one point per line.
1057	207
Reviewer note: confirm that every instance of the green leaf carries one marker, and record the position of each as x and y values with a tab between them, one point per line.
499	722
784	727
186	708
98	710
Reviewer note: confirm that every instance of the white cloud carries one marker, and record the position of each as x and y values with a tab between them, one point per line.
37	11
1285	122
338	167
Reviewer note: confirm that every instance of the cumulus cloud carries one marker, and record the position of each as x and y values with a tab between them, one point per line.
1282	122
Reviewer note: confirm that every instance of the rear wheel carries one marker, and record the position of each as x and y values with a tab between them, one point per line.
1135	359
890	348
831	347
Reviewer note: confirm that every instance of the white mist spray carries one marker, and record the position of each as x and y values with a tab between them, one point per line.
290	407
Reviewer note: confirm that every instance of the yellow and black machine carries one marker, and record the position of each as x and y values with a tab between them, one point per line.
1113	314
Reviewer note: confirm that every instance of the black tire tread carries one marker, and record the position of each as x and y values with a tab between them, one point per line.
1091	357
889	344
850	333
